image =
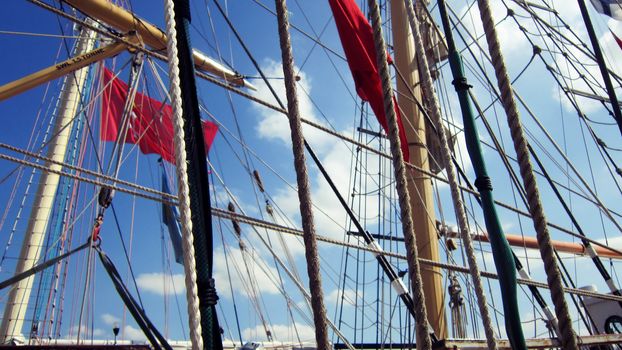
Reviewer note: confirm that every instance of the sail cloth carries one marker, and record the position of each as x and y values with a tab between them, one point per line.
151	123
611	8
357	40
170	218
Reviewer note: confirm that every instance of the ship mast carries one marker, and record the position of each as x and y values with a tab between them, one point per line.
419	184
68	104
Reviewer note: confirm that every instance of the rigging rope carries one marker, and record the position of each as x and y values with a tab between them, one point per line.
304	193
336	134
568	337
283	229
422	328
155	338
41	267
428	90
502	253
182	181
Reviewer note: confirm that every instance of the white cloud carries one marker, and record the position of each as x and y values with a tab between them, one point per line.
590	70
161	283
110	319
274	125
262	282
333	153
133	333
510	37
128	332
85	331
281	333
349	296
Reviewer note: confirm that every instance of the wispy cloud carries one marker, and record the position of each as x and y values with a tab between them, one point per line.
161	283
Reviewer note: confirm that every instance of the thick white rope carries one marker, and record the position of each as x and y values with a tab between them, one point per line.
182	180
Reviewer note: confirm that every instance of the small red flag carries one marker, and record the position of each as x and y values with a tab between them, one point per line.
618	40
358	44
150	125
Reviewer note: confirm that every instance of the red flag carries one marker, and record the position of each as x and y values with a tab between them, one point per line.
618	40
358	44
151	124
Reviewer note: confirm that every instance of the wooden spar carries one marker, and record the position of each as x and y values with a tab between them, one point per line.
63	68
532	243
521	241
419	184
560	246
151	35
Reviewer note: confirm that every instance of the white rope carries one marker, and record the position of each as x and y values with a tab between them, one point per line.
182	180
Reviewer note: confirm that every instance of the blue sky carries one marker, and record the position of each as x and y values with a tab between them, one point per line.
266	134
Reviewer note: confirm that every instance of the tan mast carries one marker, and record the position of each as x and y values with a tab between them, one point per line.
17	302
419	184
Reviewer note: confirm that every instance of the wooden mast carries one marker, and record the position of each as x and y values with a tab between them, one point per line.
419	184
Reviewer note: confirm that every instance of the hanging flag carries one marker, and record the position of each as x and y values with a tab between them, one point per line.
618	40
150	125
611	8
170	217
358	44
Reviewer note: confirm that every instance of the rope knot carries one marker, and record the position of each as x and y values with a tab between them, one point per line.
483	183
537	50
461	84
211	297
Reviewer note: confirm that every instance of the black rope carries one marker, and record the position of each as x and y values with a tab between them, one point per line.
41	267
198	180
153	335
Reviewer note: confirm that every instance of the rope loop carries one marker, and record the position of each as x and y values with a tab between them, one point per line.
211	297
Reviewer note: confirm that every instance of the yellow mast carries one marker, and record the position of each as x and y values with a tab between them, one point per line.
419	184
63	68
151	35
